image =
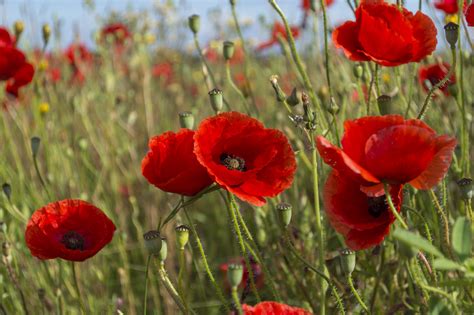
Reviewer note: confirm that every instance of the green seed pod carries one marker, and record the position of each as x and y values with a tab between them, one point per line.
232	2
280	95
186	120
194	23
467	188
19	27
7	190
217	99
182	236
451	31
293	99
348	261
235	273
46	33
163	251
284	213
358	70
333	107
228	50
35	144
385	104
153	242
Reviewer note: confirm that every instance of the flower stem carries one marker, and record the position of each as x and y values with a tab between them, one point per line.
170	288
78	289
145	297
386	187
356	294
235	297
236	88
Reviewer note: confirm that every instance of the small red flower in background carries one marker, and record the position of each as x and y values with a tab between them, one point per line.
256	270
13	65
384	34
79	58
470	15
277	31
119	32
273	308
448	6
434	74
364	221
163	71
306	4
69	229
390	149
244	157
172	166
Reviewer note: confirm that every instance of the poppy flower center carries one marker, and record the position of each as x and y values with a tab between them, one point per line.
233	162
73	240
377	206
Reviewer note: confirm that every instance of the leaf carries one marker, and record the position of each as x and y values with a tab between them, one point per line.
416	241
447	264
462	238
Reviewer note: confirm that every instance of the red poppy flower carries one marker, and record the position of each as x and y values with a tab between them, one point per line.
363	220
244	157
386	35
117	31
448	6
13	65
273	308
431	75
256	270
306	4
172	166
390	149
69	229
470	15
277	31
77	53
163	71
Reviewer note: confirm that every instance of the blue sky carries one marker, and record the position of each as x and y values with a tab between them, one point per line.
75	17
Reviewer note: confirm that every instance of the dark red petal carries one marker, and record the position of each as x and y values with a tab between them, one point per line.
399	154
345	37
470	15
358	240
425	33
340	161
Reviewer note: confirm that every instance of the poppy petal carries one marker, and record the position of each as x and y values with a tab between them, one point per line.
345	37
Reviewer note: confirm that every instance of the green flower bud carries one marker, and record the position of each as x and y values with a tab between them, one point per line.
451	31
7	190
46	33
233	2
385	104
19	27
467	188
186	120
217	99
194	23
235	272
228	50
293	99
280	95
35	144
358	70
163	251
153	242
182	236
333	107
347	258
284	213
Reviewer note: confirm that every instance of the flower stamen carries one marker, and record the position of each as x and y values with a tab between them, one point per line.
73	240
233	162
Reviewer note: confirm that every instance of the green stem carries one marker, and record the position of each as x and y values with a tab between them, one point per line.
236	88
392	206
206	264
378	278
43	183
326	45
356	294
170	288
78	290
235	297
145	297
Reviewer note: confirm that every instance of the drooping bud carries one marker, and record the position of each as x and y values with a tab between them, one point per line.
19	27
466	187
280	95
182	236
293	99
451	31
7	190
228	50
186	120
358	70
217	99
333	107
46	29
284	213
347	258
194	23
35	144
385	104
153	242
235	272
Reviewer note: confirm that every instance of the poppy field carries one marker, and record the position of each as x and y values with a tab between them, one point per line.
326	169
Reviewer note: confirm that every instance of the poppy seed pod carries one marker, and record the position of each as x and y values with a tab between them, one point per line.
153	242
284	213
467	188
347	258
358	71
452	33
194	23
235	272
280	95
182	236
46	29
18	27
217	100
293	99
7	190
384	102
232	2
228	50
35	144
186	120
333	107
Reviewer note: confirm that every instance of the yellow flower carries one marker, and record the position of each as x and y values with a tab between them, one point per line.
43	65
149	38
454	18
386	77
43	108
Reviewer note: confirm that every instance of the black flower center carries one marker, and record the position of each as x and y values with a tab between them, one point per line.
377	206
233	162
73	240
